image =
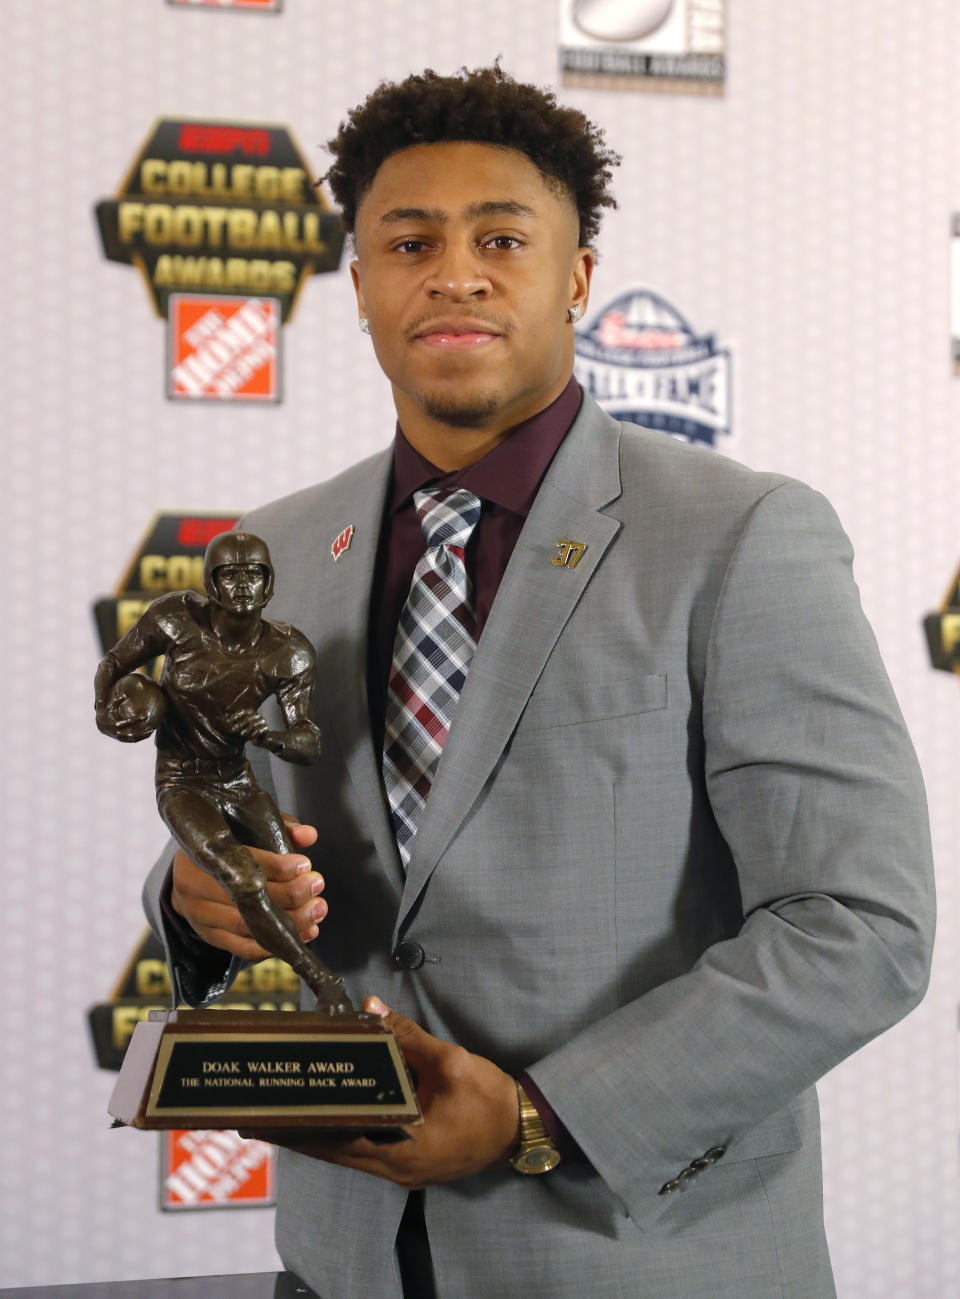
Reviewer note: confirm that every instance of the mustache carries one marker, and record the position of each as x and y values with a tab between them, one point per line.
496	324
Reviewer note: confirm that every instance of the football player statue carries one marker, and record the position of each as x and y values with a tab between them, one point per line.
222	659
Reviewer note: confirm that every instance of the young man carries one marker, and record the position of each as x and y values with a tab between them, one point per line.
614	798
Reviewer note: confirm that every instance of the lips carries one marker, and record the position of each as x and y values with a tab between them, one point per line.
456	334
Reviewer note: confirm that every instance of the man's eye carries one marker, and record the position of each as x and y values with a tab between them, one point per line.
411	246
502	243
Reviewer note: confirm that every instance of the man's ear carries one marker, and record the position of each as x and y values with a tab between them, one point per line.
581	276
357	286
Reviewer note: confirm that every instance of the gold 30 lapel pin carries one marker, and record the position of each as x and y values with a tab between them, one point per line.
571	552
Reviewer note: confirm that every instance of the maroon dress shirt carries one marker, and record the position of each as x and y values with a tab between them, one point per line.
506	480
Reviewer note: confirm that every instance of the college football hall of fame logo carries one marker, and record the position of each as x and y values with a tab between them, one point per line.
644	364
643	44
225	225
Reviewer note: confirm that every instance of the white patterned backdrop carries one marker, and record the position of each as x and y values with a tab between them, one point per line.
803	216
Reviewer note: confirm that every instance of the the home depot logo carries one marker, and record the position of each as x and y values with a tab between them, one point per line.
205	1169
224	348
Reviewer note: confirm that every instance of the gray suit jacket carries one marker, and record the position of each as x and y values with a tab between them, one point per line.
675	863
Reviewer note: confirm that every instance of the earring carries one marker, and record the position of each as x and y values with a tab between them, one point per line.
574	313
364	324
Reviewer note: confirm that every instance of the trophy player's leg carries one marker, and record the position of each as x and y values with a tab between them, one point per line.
264	827
198	823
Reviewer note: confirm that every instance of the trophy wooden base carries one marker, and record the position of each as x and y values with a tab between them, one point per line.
264	1069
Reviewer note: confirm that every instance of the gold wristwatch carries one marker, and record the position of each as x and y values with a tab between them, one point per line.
537	1153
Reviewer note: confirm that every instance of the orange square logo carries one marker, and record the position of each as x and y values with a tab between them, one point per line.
223	348
208	1169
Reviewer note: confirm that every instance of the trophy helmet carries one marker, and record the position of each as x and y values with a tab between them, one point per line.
236	548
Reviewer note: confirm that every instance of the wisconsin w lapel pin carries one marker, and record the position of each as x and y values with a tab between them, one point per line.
341	542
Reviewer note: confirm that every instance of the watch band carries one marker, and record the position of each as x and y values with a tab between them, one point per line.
536	1153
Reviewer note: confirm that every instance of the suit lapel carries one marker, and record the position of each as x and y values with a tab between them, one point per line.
533	604
340	609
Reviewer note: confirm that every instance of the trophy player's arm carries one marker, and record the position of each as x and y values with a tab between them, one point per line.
144	641
300	741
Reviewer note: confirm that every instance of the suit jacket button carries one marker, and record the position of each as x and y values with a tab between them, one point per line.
669	1187
408	955
698	1165
715	1153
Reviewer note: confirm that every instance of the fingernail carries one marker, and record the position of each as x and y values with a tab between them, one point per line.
317	885
320	910
302	867
375	1006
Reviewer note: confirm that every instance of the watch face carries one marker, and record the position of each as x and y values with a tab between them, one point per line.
540	1159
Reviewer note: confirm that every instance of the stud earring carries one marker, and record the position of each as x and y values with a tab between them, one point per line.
364	324
574	313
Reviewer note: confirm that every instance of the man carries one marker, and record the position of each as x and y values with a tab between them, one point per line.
221	661
615	798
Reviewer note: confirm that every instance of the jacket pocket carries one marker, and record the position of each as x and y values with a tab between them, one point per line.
776	1135
574	702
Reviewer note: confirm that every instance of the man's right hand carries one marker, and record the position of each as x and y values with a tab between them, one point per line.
291	883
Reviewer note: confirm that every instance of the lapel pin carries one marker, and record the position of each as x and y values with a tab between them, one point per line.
571	552
341	542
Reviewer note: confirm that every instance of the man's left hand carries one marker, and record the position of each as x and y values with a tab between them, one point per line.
471	1116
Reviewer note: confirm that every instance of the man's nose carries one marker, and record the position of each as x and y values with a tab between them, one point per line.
458	273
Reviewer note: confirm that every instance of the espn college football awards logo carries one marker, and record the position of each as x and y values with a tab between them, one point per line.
169	557
225	226
943	630
643	44
644	364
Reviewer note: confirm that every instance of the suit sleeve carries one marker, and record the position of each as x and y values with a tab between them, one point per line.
815	787
199	973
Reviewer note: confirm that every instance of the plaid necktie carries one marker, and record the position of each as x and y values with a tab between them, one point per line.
431	654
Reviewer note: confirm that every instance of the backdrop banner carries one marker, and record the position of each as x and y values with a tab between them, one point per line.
779	283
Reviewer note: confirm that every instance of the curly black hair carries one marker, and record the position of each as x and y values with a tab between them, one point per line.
483	105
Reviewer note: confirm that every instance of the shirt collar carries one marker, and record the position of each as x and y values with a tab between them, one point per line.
509	474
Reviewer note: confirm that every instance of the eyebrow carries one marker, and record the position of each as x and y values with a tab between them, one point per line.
491	207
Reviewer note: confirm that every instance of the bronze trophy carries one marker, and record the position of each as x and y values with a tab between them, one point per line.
332	1066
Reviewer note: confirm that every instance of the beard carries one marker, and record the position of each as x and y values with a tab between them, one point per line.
468	411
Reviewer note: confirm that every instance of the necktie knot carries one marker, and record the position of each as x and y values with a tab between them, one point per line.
447	515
